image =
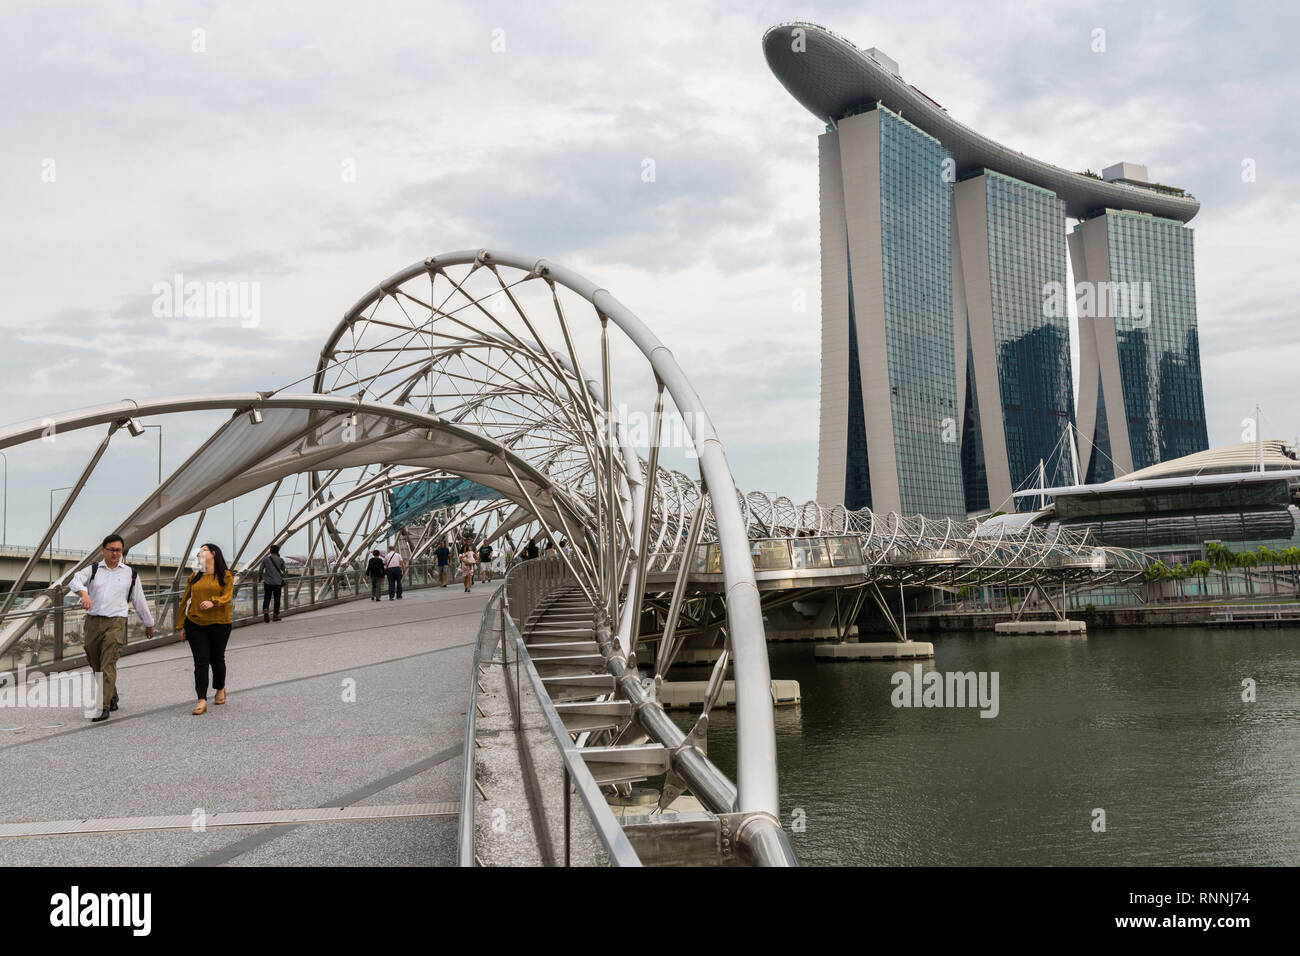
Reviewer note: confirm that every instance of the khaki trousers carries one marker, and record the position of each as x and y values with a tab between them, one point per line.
105	638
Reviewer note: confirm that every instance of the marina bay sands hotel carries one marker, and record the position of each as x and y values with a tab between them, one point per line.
946	372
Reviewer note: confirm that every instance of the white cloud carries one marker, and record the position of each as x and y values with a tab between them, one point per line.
227	165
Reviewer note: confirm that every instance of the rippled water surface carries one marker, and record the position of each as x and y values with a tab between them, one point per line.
1148	725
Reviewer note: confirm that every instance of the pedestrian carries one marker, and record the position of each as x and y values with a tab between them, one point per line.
467	566
443	554
375	572
106	588
271	570
484	562
394	564
531	551
203	619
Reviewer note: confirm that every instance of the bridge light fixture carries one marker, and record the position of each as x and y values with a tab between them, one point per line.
255	416
134	427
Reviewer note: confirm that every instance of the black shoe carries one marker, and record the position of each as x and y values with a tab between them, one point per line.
103	715
266	617
112	704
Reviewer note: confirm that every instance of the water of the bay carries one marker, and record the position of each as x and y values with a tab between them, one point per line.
1147	725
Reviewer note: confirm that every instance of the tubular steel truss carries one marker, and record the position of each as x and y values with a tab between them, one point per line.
502	369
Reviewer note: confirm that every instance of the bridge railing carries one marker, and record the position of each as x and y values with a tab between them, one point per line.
773	554
590	837
53	635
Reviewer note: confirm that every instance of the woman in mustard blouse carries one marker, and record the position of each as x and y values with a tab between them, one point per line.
203	618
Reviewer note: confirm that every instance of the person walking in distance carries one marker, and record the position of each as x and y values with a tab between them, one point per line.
484	562
271	572
467	560
443	554
394	564
105	589
530	552
375	572
203	619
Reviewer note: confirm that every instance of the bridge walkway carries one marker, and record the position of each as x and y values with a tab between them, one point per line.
270	769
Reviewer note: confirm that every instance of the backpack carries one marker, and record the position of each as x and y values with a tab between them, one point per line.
129	591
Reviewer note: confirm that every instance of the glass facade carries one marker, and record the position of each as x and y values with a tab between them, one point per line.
1100	465
1175	500
1026	243
1186	516
857	474
974	476
1159	348
916	232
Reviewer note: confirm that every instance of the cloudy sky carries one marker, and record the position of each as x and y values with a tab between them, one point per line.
315	148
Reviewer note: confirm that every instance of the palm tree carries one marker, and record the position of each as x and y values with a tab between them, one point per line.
1291	556
1267	556
1223	558
1201	569
1154	573
1180	573
1247	560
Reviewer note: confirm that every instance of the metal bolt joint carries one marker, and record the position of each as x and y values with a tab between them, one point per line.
759	837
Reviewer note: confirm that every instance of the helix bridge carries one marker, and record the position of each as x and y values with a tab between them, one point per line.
488	393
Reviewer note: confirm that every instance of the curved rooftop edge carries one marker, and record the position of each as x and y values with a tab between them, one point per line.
832	77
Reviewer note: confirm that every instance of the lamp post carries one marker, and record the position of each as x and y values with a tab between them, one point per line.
52	493
4	534
234	533
157	541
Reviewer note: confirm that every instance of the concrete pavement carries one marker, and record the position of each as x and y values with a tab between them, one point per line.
357	705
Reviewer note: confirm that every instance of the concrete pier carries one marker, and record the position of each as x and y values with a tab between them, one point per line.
874	651
1041	627
687	694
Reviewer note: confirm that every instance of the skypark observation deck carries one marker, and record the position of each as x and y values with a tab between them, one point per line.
833	78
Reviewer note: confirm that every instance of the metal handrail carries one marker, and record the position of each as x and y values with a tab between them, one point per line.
330	586
522	582
468	790
612	838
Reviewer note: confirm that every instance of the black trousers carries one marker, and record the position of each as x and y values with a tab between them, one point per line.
271	590
208	645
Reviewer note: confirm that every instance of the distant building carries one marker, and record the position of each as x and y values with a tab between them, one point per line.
1019	394
1140	396
889	423
946	375
1174	508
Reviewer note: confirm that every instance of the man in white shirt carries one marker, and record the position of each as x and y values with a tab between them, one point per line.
105	589
394	565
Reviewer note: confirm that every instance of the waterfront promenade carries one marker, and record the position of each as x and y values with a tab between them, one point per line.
359	706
